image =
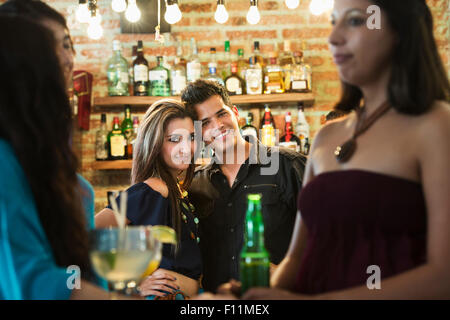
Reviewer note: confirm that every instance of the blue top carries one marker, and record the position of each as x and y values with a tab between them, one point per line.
146	206
27	266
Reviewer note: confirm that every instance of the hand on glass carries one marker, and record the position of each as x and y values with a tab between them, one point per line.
158	282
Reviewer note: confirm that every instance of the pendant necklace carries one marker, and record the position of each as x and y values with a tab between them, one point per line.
344	152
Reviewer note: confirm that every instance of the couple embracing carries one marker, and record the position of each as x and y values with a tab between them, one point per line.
206	205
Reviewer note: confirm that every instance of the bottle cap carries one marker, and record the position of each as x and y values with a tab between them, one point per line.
254	197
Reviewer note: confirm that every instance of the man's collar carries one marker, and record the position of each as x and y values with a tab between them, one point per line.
256	151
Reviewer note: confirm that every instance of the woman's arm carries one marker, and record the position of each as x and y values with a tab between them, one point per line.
286	272
169	281
106	218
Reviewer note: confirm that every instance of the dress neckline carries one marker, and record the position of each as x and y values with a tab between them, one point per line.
367	172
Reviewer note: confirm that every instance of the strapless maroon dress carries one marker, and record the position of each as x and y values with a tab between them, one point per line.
356	219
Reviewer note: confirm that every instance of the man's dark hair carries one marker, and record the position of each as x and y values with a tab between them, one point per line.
200	91
418	76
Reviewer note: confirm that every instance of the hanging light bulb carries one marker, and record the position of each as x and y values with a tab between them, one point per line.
119	5
133	14
82	14
253	15
173	13
328	5
95	18
292	4
95	31
317	7
221	14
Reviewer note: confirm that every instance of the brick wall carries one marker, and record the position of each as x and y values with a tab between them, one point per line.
277	23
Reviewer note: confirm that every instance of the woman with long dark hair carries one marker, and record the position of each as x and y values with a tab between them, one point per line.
48	17
162	172
42	225
374	213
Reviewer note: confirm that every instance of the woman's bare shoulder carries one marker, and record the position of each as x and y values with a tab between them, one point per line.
333	126
438	117
158	185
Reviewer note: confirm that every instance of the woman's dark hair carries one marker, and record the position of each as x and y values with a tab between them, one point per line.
418	76
35	119
200	91
147	156
32	9
35	10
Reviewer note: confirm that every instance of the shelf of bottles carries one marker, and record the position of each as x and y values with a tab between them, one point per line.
283	80
102	103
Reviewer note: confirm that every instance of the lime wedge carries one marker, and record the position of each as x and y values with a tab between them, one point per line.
164	234
110	258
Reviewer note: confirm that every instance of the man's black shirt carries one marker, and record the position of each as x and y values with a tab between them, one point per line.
222	209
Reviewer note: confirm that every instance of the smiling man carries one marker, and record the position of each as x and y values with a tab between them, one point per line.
219	190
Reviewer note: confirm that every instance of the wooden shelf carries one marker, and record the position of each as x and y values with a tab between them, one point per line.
104	103
127	164
112	165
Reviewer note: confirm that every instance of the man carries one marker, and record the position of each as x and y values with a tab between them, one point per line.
219	190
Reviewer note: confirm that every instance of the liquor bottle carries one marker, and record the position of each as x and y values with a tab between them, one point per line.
127	126
235	85
132	139
273	76
117	72
101	140
116	141
268	136
257	53
193	66
140	70
289	139
226	69
249	130
307	147
159	80
212	68
287	62
302	127
241	63
183	61
131	70
177	77
178	73
254	260
254	77
301	75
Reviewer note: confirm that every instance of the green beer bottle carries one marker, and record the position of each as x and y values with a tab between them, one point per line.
254	266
